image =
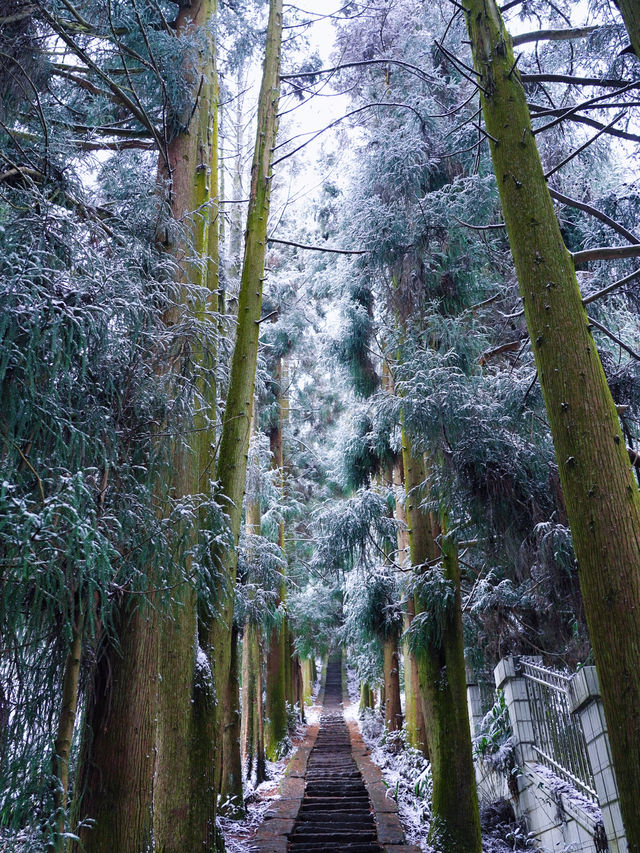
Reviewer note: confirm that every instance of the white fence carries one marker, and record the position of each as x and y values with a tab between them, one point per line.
563	784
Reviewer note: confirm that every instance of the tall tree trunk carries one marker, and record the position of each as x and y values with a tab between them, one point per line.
184	795
114	782
64	735
275	729
307	680
392	708
413	713
234	440
367	697
414	718
231	783
252	732
298	688
252	721
455	824
600	491
278	670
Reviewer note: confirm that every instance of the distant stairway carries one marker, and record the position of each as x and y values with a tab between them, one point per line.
335	814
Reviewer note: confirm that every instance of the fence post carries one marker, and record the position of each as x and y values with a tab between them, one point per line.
585	701
509	679
474	701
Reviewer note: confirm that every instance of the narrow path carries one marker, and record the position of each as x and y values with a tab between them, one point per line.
336	813
332	797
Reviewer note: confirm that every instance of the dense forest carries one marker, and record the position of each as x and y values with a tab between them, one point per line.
319	328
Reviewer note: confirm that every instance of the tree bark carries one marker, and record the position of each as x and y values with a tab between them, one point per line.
252	721
307	680
252	733
275	730
279	681
184	796
600	491
114	783
231	783
64	736
414	718
455	826
392	707
367	698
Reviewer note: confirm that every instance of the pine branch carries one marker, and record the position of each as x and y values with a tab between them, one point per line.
117	90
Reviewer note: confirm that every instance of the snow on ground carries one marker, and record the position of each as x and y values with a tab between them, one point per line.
404	770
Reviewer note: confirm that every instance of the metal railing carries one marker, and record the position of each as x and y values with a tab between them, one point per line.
559	739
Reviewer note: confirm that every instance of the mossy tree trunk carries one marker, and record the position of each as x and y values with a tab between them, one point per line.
252	730
234	440
252	721
298	685
392	706
440	662
114	780
600	492
231	782
64	734
275	729
414	718
184	795
279	681
308	679
367	697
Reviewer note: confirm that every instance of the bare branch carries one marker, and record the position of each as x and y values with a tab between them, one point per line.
553	35
610	287
575	81
598	214
570	113
586	144
342	118
615	338
418	72
317	248
606	253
